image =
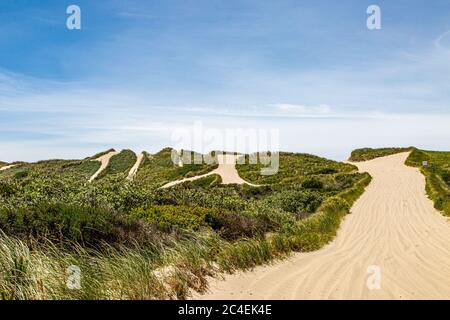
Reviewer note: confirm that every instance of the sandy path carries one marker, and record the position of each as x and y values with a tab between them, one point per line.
135	167
104	159
393	226
7	167
226	169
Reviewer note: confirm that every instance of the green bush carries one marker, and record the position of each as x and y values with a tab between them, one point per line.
249	192
6	189
21	174
171	216
446	177
335	205
326	171
296	201
312	183
232	226
69	223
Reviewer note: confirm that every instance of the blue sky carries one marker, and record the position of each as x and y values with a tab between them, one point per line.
138	70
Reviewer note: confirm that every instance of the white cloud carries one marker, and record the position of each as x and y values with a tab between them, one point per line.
298	109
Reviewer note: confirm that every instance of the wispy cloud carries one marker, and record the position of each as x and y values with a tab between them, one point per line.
298	109
438	42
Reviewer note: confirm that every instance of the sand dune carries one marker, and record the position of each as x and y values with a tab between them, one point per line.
135	167
226	169
393	227
104	159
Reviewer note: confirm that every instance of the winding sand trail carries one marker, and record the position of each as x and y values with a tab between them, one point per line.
393	226
226	169
136	166
104	159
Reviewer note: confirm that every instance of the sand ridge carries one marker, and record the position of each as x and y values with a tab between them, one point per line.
393	226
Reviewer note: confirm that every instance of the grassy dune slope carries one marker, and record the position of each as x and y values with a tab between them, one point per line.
120	164
437	175
295	168
158	169
135	241
365	154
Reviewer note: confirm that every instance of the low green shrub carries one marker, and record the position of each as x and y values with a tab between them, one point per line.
446	177
326	171
335	205
248	191
171	216
296	201
63	223
232	226
312	183
21	174
344	181
6	189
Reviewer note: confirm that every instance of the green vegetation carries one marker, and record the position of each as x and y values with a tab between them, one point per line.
294	169
365	154
133	240
158	169
65	224
120	164
437	174
169	216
